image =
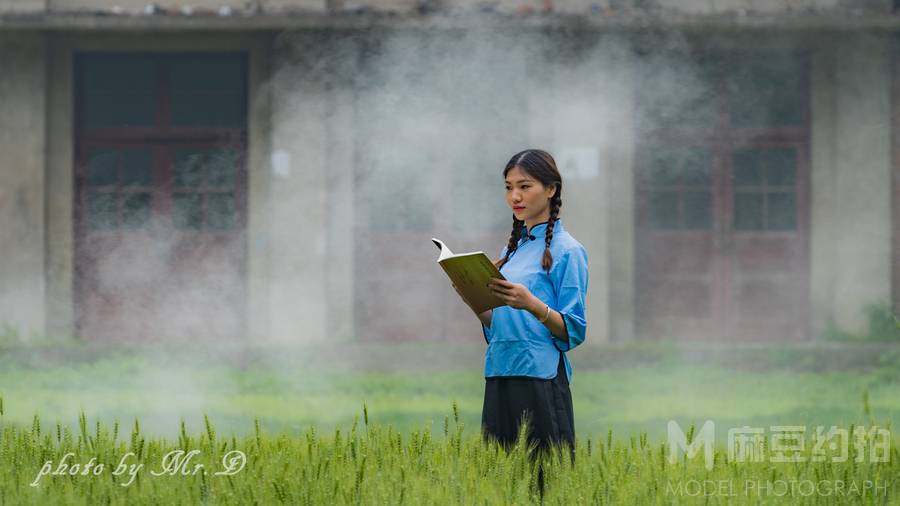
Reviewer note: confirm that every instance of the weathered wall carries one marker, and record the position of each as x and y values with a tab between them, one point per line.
301	186
22	6
764	6
682	7
861	207
22	185
310	231
191	7
619	169
851	156
823	194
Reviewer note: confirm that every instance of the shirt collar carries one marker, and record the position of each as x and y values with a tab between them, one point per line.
539	231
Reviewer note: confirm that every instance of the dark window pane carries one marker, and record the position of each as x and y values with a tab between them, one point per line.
222	167
207	72
188	211
782	213
748	211
102	211
663	210
135	210
221	211
118	91
747	167
207	109
671	166
697	166
136	168
780	167
664	168
116	110
697	210
189	167
207	91
766	90
103	168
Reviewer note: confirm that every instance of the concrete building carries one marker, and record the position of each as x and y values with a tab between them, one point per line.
273	170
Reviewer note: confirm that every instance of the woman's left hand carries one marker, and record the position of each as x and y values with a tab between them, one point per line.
515	295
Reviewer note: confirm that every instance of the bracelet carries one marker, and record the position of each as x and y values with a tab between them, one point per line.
546	316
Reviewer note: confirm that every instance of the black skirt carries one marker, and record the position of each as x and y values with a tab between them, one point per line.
546	402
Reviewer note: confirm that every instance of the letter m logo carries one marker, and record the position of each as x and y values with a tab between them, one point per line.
678	442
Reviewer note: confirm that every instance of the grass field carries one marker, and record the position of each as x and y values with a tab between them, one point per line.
305	401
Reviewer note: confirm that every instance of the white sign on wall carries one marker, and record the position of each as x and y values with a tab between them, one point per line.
281	163
578	162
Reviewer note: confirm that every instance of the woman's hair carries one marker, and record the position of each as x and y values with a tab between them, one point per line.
541	166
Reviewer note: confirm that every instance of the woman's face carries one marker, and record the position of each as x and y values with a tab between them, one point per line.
527	197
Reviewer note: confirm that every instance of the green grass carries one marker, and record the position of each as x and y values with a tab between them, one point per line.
291	391
375	464
296	413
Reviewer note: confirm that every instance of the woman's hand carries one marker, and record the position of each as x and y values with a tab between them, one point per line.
515	295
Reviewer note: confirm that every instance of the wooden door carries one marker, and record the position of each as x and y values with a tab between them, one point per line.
160	200
722	207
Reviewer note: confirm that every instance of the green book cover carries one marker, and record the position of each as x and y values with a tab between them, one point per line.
471	273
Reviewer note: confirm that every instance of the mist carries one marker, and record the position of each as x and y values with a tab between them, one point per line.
371	142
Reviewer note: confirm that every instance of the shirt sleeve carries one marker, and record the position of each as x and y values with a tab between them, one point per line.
571	288
486	330
487	333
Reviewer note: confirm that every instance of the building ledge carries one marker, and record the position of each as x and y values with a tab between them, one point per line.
367	19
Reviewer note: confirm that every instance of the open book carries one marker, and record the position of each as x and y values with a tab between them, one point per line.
471	273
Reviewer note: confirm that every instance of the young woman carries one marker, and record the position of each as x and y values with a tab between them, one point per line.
526	370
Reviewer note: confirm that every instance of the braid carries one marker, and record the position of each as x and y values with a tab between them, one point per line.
514	237
555	203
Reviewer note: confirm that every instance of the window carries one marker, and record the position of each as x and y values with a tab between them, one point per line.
189	111
764	189
119	188
678	183
140	90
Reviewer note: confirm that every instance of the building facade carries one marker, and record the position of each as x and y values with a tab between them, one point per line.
274	170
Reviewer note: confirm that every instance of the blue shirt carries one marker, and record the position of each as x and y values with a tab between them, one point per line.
520	345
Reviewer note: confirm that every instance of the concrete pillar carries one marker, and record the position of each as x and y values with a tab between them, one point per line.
620	142
22	184
861	211
259	183
822	189
340	240
60	184
311	200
